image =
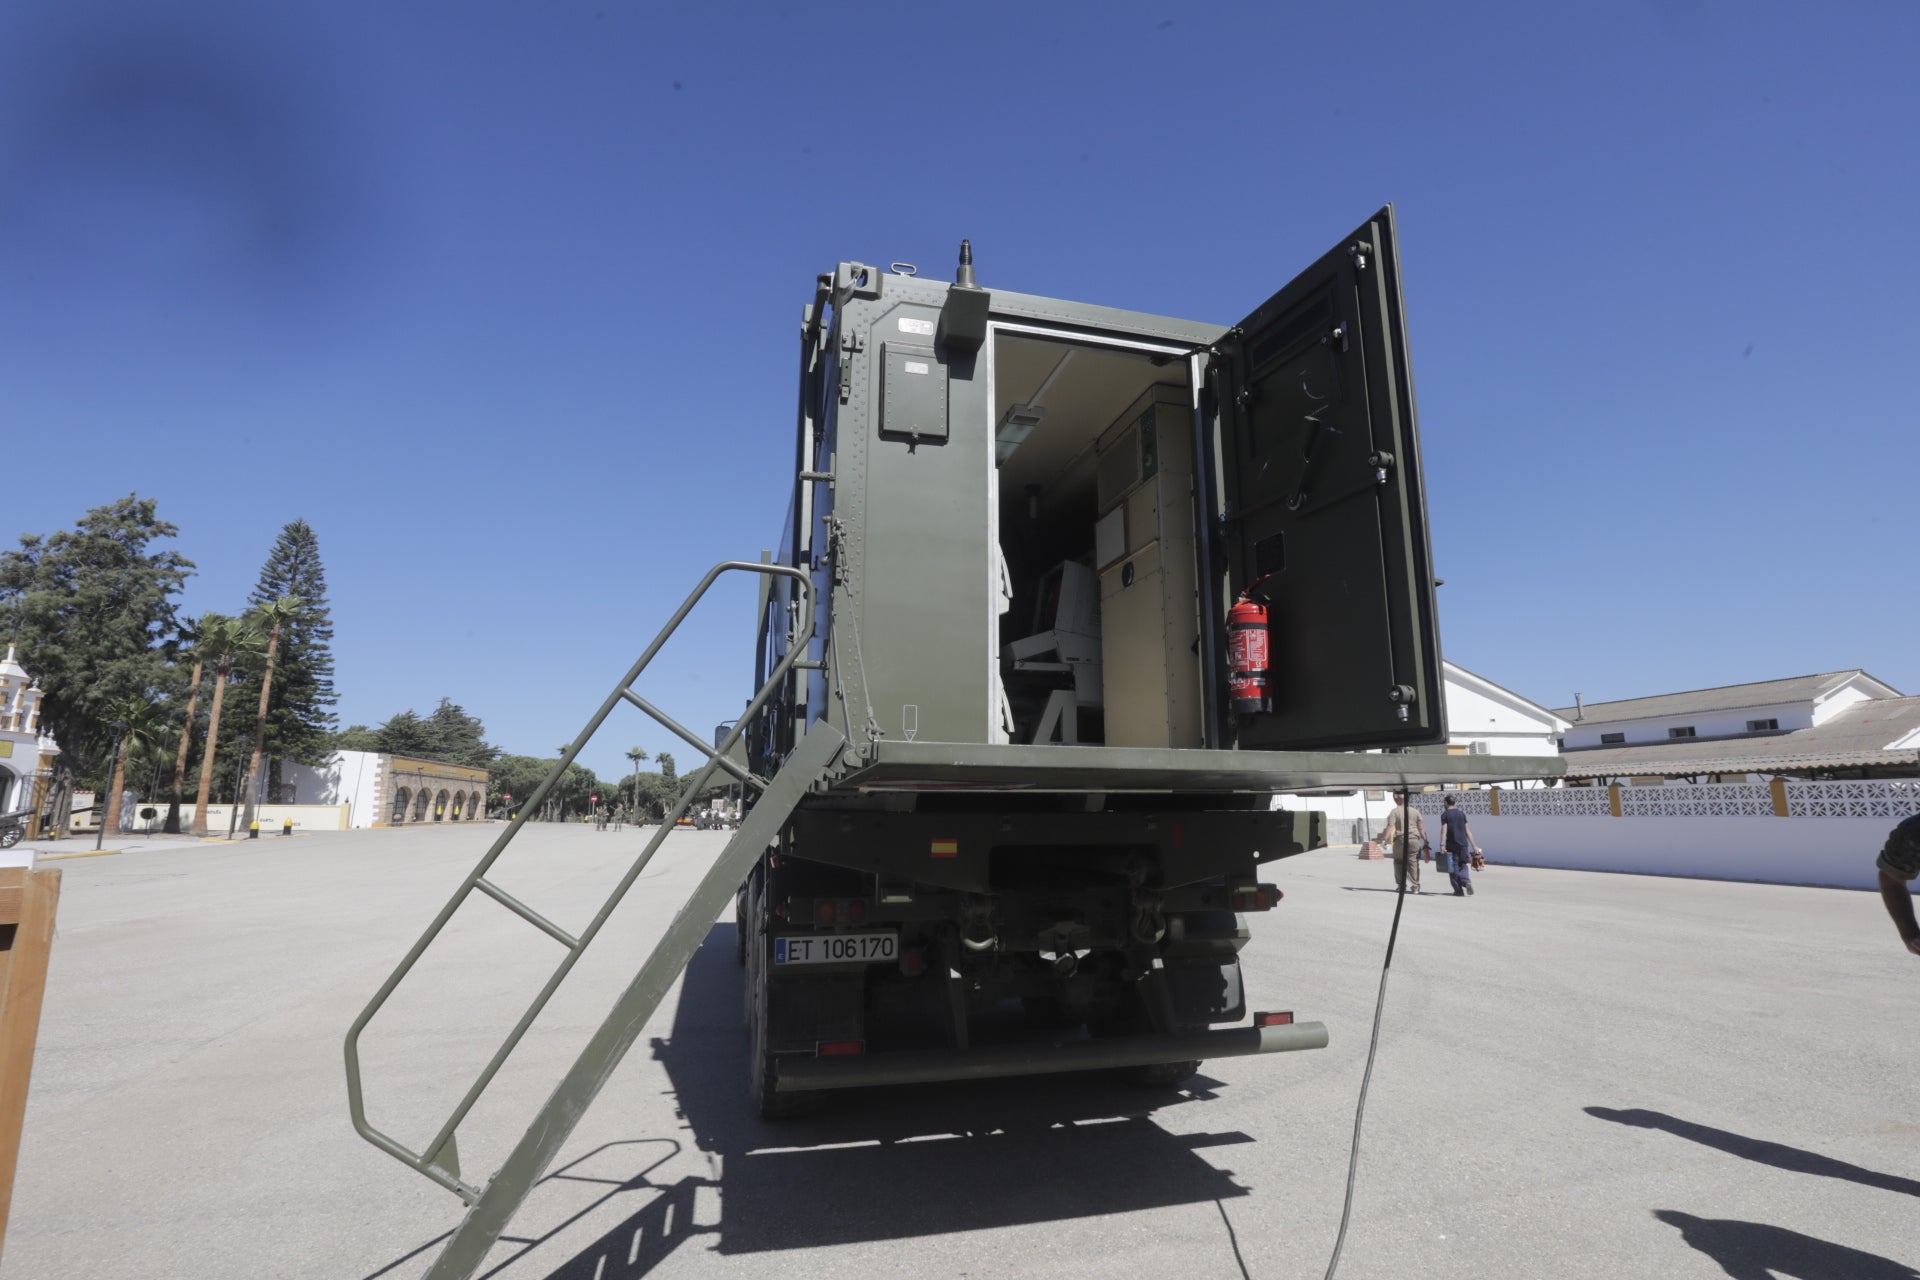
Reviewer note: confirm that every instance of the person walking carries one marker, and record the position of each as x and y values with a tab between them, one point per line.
1405	834
1457	844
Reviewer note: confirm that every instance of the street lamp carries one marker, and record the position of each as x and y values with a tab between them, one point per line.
113	763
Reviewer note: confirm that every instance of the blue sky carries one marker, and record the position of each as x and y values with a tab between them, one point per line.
503	299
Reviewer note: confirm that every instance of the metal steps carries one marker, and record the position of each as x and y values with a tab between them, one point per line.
810	764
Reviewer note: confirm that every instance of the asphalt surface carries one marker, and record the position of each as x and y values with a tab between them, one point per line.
1580	1075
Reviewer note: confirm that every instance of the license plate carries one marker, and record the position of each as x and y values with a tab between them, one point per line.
837	948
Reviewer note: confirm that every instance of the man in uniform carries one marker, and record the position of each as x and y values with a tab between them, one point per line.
1899	863
1406	833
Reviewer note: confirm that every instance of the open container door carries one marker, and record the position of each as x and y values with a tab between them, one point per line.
1322	510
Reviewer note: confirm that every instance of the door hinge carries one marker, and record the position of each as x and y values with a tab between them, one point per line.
1358	251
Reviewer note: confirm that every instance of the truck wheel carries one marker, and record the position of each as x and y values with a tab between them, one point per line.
768	1103
740	903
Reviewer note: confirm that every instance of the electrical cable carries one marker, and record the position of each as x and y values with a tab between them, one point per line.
1373	1045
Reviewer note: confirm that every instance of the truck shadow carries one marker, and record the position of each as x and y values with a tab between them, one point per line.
881	1164
888	1164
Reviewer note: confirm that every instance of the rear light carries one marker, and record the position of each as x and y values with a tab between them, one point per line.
840	1048
1255	897
856	912
913	962
1284	1018
823	912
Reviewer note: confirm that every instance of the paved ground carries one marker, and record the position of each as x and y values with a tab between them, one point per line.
1580	1075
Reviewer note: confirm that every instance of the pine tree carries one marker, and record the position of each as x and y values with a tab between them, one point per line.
93	611
300	717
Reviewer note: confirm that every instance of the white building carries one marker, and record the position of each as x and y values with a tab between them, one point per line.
382	790
26	754
1839	723
1483	718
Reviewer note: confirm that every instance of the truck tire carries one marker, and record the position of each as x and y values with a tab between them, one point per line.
768	1103
1132	1018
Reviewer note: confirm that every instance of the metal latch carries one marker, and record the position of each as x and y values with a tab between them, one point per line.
851	345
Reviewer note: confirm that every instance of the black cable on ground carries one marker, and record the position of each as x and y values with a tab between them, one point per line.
1373	1046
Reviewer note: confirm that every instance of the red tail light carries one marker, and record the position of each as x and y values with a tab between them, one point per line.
823	912
1283	1018
840	1048
856	912
1256	897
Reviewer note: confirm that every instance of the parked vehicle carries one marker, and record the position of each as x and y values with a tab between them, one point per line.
1064	595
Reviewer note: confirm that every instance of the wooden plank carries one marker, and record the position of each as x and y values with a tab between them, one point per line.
24	983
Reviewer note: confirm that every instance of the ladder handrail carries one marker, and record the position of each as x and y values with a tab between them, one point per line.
425	1162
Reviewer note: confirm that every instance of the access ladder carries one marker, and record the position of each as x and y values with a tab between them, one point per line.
493	1205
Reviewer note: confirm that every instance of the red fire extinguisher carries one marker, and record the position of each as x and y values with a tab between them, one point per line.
1249	642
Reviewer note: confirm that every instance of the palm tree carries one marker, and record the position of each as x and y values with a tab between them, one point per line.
222	639
138	718
274	617
636	755
190	633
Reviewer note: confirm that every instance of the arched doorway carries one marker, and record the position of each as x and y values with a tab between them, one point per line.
440	806
476	805
420	805
400	799
459	801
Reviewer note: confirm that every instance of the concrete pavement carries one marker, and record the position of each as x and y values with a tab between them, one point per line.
1580	1075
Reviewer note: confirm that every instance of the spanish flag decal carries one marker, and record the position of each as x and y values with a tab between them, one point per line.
946	848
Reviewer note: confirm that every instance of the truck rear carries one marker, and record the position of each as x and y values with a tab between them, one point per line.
1093	586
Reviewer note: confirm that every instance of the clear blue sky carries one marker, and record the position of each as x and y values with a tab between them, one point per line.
503	298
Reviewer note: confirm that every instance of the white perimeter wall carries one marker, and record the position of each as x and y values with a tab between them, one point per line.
1838	852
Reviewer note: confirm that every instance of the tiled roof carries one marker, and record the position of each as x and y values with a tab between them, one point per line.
1729	697
1859	735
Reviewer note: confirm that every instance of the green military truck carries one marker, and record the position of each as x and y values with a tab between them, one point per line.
1064	596
1036	530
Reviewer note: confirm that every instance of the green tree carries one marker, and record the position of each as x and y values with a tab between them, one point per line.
274	617
300	712
515	776
189	635
404	734
459	738
93	612
449	734
631	793
138	719
356	737
222	639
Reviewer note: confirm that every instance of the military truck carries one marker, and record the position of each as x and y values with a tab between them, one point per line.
1065	594
1034	528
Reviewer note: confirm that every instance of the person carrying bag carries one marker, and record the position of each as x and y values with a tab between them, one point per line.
1458	843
